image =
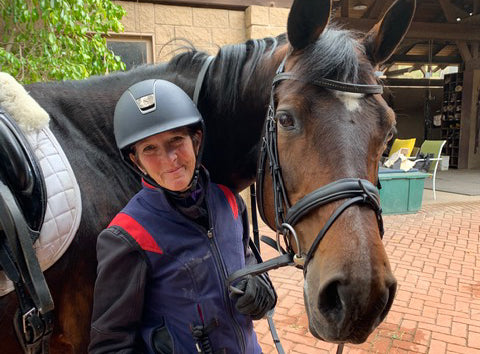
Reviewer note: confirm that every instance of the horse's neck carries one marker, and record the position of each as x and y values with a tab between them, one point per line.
88	105
234	126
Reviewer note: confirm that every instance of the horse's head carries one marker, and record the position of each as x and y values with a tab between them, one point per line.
325	135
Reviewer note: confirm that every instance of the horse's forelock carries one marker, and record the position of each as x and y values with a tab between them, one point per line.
337	55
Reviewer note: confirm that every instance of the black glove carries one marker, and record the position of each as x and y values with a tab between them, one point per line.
255	296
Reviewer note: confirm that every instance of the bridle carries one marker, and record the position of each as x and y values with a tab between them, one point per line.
354	190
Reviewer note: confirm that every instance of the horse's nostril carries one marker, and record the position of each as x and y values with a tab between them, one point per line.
330	304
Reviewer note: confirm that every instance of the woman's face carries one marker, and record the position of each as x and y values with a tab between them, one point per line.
168	158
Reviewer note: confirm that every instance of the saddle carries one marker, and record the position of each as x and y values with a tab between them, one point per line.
20	171
23	201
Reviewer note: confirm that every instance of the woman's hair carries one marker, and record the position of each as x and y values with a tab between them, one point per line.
194	131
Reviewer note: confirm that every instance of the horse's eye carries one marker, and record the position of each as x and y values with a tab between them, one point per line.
285	120
390	134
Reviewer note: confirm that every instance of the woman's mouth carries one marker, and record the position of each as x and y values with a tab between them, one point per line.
174	170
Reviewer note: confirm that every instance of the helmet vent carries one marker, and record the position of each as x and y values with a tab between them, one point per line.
146	103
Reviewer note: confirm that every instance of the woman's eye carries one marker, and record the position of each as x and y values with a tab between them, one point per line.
285	120
177	141
149	149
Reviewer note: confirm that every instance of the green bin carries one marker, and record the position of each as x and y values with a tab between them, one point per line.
401	192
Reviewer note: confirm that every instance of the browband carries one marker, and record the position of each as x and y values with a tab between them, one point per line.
333	84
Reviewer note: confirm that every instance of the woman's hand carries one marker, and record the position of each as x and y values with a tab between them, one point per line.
255	296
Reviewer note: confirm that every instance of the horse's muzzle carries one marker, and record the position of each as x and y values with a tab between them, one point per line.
347	311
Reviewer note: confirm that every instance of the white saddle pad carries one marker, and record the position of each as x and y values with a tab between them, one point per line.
64	206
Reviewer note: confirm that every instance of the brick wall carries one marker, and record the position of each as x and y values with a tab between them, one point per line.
207	29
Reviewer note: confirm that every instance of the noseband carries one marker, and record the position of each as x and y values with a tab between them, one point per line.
354	190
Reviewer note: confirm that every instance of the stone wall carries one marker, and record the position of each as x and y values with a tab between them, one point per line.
206	29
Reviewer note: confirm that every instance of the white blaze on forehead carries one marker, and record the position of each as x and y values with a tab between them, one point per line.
350	100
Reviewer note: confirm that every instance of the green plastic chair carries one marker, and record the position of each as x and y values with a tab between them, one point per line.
432	147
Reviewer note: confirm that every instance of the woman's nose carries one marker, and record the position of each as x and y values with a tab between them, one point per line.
172	155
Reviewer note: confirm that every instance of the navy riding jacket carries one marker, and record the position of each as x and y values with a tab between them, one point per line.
162	278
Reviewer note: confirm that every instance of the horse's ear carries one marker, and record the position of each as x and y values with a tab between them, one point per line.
306	21
384	37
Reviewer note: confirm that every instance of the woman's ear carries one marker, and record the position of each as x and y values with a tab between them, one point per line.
133	158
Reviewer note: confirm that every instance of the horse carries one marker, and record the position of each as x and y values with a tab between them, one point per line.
323	134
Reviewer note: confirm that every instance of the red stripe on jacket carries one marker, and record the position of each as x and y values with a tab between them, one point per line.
231	199
142	236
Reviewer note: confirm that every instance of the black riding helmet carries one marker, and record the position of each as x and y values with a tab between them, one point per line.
150	107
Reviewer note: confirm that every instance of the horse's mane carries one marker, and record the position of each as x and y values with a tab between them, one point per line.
231	71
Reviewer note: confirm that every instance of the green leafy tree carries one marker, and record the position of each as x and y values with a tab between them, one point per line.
42	40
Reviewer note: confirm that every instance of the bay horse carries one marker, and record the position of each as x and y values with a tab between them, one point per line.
322	134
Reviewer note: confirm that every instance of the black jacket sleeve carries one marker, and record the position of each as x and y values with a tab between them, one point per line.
119	293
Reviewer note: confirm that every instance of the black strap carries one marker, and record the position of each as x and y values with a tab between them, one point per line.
273	331
18	236
340	189
333	84
34	322
253	205
327	226
200	78
255	269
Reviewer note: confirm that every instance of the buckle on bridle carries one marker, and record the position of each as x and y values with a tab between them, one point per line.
298	257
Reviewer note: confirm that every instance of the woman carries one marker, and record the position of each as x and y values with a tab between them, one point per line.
164	259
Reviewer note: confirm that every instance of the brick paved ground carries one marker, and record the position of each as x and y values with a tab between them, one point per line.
435	256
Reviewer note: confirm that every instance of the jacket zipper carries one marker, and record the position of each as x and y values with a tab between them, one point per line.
218	258
223	276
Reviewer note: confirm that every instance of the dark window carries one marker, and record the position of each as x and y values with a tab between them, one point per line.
133	53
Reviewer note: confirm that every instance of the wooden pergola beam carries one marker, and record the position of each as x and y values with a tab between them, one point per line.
345	4
475	50
403	71
413	82
222	4
377	9
422	30
452	60
440	67
451	12
464	51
